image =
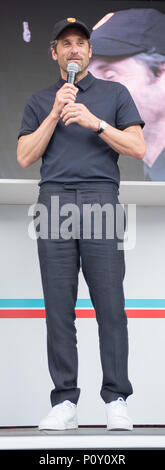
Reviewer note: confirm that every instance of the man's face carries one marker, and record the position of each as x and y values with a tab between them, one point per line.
125	71
72	46
135	75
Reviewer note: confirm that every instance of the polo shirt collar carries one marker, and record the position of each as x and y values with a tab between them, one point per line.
82	84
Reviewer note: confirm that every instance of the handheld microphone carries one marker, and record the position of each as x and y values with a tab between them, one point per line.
72	69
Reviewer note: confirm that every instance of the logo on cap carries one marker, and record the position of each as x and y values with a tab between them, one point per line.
71	20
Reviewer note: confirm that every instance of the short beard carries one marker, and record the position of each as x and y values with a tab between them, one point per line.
81	69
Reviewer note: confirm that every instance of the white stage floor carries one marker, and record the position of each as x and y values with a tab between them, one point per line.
82	438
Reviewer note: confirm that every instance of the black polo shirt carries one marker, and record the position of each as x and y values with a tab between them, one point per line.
75	153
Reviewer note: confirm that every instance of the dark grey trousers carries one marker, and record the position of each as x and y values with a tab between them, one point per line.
103	267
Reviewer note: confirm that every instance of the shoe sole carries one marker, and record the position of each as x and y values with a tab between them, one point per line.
118	427
58	427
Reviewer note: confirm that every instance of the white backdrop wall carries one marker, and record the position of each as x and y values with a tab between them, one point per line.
25	381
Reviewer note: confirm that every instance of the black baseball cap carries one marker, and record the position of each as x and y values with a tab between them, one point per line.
129	32
67	23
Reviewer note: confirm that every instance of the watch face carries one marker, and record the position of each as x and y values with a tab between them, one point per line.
103	124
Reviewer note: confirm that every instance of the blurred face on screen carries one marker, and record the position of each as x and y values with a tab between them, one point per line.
147	90
72	46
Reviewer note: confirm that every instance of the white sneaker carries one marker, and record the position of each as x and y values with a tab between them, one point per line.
61	416
117	417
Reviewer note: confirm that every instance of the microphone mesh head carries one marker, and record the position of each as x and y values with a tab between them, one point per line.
73	67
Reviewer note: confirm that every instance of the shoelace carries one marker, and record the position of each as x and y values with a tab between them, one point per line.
69	404
61	408
121	400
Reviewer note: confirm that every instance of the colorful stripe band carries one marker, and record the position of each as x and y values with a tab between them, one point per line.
34	308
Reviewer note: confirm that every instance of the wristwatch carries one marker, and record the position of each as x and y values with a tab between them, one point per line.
103	126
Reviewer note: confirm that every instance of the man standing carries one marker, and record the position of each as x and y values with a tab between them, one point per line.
79	131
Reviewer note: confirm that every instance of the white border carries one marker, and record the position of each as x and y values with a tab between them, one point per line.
109	441
25	191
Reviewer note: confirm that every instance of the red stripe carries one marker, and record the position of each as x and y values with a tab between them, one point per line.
24	313
86	313
80	313
40	313
145	313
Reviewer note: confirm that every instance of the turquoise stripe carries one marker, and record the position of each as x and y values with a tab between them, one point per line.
81	303
145	303
84	303
21	303
38	303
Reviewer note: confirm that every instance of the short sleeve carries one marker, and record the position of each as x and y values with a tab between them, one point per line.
127	113
30	120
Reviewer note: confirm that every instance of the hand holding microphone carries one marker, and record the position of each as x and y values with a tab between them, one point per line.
66	108
67	93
